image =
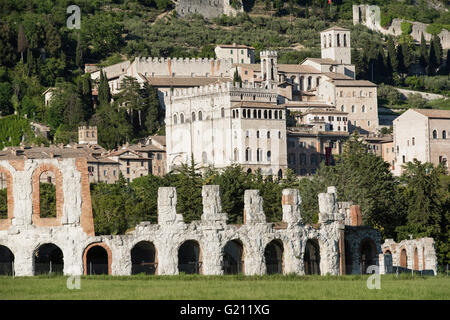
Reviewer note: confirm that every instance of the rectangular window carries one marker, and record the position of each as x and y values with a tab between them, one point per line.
105	173
128	170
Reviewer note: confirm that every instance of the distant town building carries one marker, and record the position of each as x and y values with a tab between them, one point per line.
236	52
422	134
87	135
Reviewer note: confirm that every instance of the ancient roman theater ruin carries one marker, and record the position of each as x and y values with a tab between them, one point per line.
31	244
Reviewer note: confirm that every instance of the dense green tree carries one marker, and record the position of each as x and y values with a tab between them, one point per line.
7	45
79	54
423	52
392	53
22	43
104	93
131	99
365	179
153	112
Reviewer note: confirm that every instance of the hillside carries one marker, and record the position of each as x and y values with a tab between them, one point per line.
38	51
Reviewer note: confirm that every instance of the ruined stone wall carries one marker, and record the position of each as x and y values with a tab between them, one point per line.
206	8
72	229
420	254
369	15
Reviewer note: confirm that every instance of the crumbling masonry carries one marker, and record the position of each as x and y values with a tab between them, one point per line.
30	245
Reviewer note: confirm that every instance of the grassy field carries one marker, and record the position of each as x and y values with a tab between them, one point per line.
225	287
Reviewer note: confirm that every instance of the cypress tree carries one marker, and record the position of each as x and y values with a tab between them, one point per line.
79	54
22	43
393	54
423	52
437	50
104	95
432	59
152	108
447	64
401	68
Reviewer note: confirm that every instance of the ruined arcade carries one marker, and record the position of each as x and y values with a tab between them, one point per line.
31	244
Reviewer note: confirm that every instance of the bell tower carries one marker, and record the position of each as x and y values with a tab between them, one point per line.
335	44
269	67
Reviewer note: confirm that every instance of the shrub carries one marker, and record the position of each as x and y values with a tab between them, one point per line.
406	27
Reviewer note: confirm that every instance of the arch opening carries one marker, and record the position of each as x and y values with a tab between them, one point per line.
403	259
273	255
189	258
312	257
233	257
97	260
143	258
367	256
6	261
48	258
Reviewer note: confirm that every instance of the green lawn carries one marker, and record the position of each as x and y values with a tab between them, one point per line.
225	287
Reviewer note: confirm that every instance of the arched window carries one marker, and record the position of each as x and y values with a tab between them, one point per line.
174	119
413	141
236	155
276	114
270	114
444	134
48	258
258	155
265	114
248	154
345	40
309	82
222	113
317	81
324	41
181	118
244	113
237	113
353	109
259	114
434	134
279	134
363	109
281	114
200	116
193	116
329	40
342	108
269	154
268	134
254	114
234	114
6	261
338	40
312	257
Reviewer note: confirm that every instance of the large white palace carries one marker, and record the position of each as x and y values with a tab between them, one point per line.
278	116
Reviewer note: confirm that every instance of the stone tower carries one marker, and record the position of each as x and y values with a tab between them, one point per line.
269	68
335	45
87	135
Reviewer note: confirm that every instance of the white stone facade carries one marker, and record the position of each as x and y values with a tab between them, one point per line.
222	125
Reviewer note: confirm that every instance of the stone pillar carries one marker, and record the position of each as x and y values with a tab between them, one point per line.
253	207
385	263
167	206
291	201
23	263
355	215
327	205
212	207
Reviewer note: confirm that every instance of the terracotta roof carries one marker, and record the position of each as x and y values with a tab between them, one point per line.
145	148
235	46
353	83
337	28
434	113
160	139
337	76
251	66
184	81
322	61
297	68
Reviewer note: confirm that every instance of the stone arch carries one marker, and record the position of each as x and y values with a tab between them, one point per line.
193	116
6	261
144	258
175	119
58	179
181	118
190	257
416	259
367	254
311	257
233	257
97	258
6	176
48	258
403	258
273	255
200	116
